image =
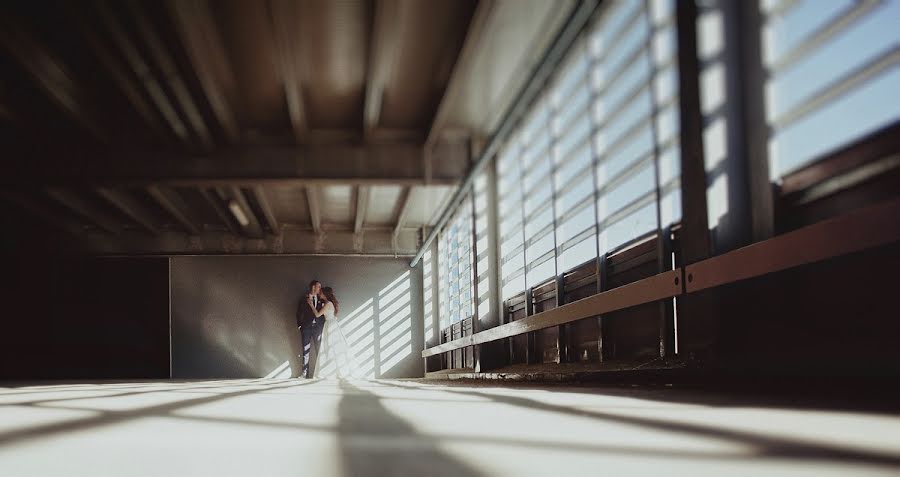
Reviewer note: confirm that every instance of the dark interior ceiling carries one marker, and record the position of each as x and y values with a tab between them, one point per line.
139	120
195	75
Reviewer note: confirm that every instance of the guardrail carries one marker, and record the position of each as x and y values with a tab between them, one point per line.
852	232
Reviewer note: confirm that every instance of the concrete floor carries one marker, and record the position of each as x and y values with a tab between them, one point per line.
329	427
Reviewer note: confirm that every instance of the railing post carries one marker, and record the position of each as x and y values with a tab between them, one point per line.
602	277
667	311
531	345
698	326
489	355
435	362
473	274
662	232
756	131
562	340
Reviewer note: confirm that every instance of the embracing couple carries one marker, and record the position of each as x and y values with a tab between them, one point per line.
317	319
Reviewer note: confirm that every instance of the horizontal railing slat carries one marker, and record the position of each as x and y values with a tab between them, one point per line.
852	232
657	287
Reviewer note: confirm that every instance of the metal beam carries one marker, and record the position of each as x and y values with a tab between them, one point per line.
384	48
404	210
315	216
390	164
755	131
130	207
77	204
854	231
119	74
253	229
260	196
170	201
548	64
352	136
694	235
839	23
874	147
142	70
36	209
284	19
383	135
51	75
290	242
201	38
363	194
472	43
216	203
171	74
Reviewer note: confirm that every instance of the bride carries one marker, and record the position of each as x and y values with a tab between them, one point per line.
334	343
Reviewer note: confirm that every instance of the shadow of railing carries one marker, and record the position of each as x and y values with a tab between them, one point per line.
378	335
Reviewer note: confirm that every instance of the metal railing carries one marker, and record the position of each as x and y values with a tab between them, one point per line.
874	226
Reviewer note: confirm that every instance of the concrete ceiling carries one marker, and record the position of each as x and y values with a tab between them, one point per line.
332	126
511	40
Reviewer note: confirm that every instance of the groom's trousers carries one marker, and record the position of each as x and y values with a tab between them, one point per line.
308	336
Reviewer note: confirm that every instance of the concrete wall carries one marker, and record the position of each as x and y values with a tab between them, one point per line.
234	316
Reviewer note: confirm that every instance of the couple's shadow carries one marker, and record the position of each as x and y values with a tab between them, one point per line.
375	441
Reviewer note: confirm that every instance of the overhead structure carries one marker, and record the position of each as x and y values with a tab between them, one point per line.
233	127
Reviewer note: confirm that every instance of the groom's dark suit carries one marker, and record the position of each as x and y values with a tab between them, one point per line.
310	330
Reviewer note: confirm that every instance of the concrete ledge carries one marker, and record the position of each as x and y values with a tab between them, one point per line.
653	370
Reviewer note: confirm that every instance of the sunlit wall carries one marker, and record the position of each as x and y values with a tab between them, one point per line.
235	316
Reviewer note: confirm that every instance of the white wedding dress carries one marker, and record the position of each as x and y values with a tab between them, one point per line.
338	358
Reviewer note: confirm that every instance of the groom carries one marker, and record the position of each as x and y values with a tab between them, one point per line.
310	327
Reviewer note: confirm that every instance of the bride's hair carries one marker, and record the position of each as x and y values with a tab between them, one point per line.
329	294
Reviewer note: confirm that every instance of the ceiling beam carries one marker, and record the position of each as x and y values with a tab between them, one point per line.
315	215
474	38
169	200
291	242
51	74
35	208
404	210
363	194
171	74
215	202
370	164
259	195
383	135
201	38
130	207
79	205
331	136
119	74
285	22
378	135
384	49
252	229
142	70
